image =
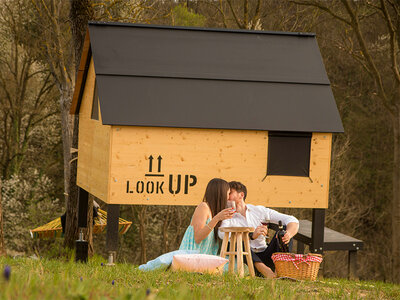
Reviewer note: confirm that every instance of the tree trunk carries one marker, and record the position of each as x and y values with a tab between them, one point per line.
80	12
71	223
396	201
88	232
141	215
165	230
2	246
65	100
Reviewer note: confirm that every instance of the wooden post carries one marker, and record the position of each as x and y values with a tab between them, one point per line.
317	233
112	231
317	230
83	208
81	246
352	265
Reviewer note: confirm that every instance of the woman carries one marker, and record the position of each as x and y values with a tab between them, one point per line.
202	233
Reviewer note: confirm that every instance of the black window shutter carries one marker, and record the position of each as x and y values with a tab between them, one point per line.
289	153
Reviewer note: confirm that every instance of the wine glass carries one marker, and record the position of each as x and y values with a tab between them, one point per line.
231	204
265	221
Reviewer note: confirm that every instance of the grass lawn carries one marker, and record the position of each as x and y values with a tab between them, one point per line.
57	279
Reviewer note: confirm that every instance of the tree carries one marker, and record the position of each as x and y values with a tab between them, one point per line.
182	16
2	246
25	89
53	40
80	13
242	14
374	26
61	51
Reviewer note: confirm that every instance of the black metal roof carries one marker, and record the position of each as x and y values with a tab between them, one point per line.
210	78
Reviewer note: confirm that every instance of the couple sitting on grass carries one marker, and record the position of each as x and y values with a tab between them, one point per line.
212	214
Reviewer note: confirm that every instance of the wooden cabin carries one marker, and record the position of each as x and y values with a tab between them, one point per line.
163	110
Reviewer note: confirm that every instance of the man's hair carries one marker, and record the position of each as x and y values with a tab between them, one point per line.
239	187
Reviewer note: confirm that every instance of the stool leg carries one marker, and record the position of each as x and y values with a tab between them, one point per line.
232	250
248	250
224	245
239	246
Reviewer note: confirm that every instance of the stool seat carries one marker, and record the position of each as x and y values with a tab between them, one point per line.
236	229
237	236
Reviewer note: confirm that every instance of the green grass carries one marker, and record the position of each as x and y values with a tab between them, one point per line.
56	279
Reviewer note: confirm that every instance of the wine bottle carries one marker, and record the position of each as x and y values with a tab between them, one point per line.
281	244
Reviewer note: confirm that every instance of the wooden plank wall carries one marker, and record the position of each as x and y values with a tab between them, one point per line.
192	157
94	146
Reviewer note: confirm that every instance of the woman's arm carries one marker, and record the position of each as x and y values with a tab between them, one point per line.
200	216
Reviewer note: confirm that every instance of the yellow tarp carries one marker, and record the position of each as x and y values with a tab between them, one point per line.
54	228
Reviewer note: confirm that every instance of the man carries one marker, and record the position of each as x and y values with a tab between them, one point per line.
252	216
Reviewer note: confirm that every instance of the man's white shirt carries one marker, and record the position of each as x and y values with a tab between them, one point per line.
254	216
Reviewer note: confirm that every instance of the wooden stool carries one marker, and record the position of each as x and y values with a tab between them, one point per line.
238	234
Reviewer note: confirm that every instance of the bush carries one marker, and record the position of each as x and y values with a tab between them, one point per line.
27	202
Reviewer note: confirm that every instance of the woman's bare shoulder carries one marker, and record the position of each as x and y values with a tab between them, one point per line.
202	209
203	205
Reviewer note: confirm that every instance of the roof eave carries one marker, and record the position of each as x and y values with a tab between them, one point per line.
299	34
81	75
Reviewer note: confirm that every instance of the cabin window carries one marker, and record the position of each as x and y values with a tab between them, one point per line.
95	103
289	153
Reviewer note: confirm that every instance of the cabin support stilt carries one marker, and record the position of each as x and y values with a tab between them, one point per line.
112	232
82	249
317	230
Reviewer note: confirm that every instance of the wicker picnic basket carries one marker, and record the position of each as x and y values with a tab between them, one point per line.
297	266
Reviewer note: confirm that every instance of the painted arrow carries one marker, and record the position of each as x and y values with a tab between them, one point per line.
159	163
150	163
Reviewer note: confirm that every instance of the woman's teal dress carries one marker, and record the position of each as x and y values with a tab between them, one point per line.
188	246
207	246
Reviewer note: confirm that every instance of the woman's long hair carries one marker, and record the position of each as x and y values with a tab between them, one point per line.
216	197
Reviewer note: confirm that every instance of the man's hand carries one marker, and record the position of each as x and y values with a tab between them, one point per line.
260	230
286	238
291	230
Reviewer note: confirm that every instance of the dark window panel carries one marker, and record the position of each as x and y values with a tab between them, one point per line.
289	154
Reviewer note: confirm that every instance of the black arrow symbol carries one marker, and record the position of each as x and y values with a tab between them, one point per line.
150	163
159	163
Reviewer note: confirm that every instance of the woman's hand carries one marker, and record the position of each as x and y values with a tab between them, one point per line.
224	214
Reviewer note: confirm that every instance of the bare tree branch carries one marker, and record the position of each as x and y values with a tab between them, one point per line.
323	8
392	34
371	64
234	15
